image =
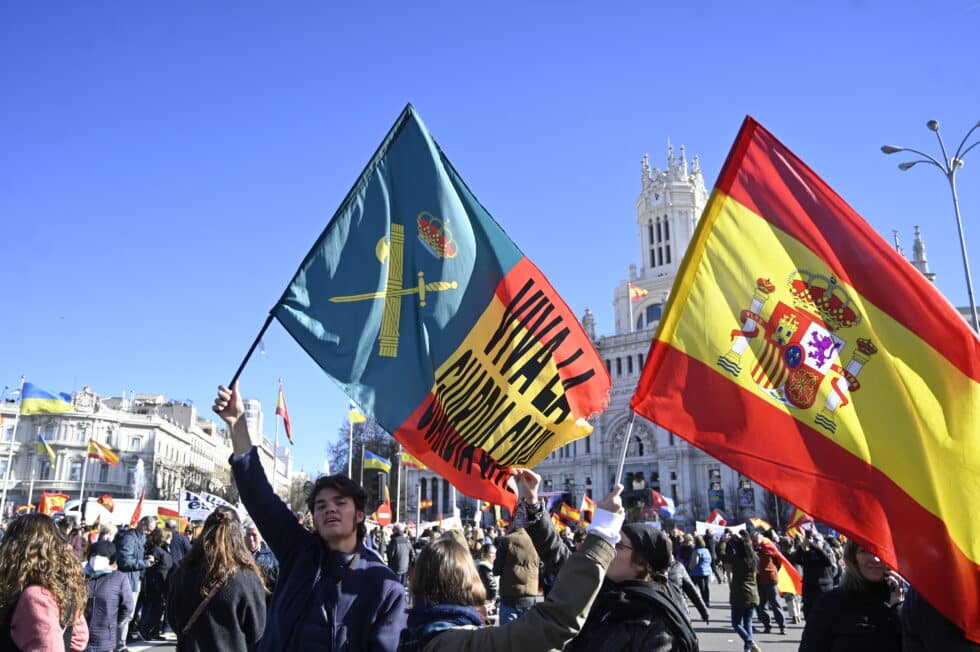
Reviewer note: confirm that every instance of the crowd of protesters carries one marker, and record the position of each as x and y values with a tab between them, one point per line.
318	580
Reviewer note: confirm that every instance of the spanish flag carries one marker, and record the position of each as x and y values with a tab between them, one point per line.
637	293
51	503
34	400
425	503
802	350
411	462
282	411
569	513
97	451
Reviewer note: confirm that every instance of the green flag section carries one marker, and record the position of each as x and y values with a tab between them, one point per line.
418	304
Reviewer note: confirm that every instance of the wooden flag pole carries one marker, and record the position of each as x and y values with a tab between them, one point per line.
626	444
251	350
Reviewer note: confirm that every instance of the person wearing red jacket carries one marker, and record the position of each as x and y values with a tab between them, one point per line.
767	579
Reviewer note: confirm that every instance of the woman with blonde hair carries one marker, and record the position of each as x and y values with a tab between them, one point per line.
217	596
42	588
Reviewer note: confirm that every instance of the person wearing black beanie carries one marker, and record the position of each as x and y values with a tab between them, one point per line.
637	607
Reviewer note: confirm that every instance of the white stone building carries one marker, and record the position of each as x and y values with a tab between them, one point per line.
667	211
176	446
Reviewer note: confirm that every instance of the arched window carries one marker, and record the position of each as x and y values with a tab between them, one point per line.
659	232
619	366
666	229
654	312
629	364
668	254
650	231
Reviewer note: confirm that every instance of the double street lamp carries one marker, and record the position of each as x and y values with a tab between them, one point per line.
949	165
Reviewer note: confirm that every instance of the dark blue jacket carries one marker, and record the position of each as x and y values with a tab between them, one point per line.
179	546
110	601
367	608
131	555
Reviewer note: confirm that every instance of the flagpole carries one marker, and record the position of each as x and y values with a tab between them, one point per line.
398	487
10	450
418	511
362	466
452	497
30	492
626	444
81	492
629	300
275	451
251	350
350	449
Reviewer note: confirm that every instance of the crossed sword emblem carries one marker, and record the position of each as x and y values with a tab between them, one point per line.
394	290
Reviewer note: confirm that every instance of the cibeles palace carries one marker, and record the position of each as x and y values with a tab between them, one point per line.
667	210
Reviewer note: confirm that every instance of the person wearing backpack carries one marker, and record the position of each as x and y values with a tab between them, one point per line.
110	598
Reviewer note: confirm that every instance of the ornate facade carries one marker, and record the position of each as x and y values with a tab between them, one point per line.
667	210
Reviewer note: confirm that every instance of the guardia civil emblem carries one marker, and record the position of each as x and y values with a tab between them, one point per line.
799	344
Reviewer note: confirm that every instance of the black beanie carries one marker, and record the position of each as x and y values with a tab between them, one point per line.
650	544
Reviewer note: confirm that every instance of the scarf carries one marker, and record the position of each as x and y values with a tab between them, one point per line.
424	623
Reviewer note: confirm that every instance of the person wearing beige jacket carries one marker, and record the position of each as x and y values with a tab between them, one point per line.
447	592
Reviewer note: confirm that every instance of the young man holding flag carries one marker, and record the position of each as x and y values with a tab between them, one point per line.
323	574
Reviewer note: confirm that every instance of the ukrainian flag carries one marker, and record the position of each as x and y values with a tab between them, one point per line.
372	461
43	448
35	400
354	415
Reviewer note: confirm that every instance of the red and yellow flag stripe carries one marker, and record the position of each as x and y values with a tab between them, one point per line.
888	451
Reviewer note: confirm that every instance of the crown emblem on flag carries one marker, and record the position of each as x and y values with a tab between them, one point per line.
436	237
797	351
823	295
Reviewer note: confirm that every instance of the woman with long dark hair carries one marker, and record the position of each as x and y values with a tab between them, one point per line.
155	583
217	596
42	588
743	592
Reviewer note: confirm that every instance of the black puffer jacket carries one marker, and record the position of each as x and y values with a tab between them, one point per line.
637	616
848	621
627	616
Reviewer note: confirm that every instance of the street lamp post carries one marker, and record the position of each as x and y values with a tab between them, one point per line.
949	166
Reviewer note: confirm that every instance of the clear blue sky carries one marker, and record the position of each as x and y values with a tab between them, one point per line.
165	166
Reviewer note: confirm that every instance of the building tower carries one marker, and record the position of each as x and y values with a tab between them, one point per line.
668	208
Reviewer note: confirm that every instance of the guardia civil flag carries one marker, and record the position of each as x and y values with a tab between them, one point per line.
802	350
432	321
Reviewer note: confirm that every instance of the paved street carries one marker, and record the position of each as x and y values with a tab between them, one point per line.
716	637
720	637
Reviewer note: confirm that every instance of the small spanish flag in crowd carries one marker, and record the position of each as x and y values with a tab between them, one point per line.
569	513
425	503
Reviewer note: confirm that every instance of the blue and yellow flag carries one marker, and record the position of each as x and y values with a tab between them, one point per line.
418	304
372	461
354	414
35	400
43	448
